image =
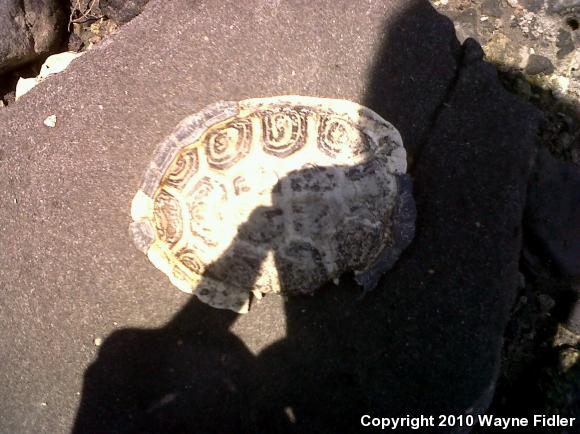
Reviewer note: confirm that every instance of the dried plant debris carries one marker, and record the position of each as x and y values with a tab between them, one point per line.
91	21
277	194
88	25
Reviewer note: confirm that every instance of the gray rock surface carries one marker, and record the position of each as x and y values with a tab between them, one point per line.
564	6
492	8
29	29
532	5
564	43
427	340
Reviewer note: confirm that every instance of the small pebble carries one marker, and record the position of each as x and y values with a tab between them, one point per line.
539	65
290	414
547	303
560	86
569	358
98	342
50	121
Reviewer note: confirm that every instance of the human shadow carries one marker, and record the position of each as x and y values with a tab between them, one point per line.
187	374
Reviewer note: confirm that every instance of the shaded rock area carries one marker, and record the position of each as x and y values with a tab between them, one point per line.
540	361
29	30
427	341
553	213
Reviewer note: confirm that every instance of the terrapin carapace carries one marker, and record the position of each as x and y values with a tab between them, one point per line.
274	194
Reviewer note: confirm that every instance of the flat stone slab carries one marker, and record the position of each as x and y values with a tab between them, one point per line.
77	293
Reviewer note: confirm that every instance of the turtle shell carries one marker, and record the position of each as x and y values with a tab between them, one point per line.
276	194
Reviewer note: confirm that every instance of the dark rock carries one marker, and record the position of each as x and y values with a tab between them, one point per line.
75	43
539	65
564	43
552	218
122	11
492	8
546	303
29	29
9	97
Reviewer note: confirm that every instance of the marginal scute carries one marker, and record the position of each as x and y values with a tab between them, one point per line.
183	168
276	194
190	260
168	221
143	235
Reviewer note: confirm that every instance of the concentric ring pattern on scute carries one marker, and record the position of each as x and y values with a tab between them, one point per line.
284	130
228	145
